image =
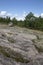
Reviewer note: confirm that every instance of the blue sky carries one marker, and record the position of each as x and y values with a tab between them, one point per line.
19	8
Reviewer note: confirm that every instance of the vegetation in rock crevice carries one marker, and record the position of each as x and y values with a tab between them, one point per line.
37	45
7	52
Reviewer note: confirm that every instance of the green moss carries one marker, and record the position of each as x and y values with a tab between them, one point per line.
38	45
9	33
40	49
11	40
2	50
19	58
33	40
37	37
12	54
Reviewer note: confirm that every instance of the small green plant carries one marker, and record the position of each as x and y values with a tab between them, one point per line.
14	55
40	49
11	40
37	37
2	50
33	40
9	33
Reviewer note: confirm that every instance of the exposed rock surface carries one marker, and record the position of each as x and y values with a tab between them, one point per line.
10	24
20	46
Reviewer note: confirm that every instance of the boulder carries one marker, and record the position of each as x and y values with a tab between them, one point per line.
10	24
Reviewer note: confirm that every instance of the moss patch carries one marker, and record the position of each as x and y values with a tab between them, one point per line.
11	40
7	52
40	49
38	45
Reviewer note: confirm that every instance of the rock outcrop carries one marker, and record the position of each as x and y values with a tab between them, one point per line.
20	47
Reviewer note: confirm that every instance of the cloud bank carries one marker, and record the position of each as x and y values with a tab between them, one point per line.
22	17
4	14
41	14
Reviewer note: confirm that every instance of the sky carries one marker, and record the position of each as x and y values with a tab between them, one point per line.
20	8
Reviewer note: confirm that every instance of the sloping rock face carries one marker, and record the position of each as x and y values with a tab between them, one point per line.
20	47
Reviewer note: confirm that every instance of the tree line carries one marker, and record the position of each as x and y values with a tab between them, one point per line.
30	21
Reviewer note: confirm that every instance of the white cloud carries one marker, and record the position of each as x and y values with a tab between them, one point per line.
8	14
20	18
24	14
41	14
3	13
17	16
36	15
